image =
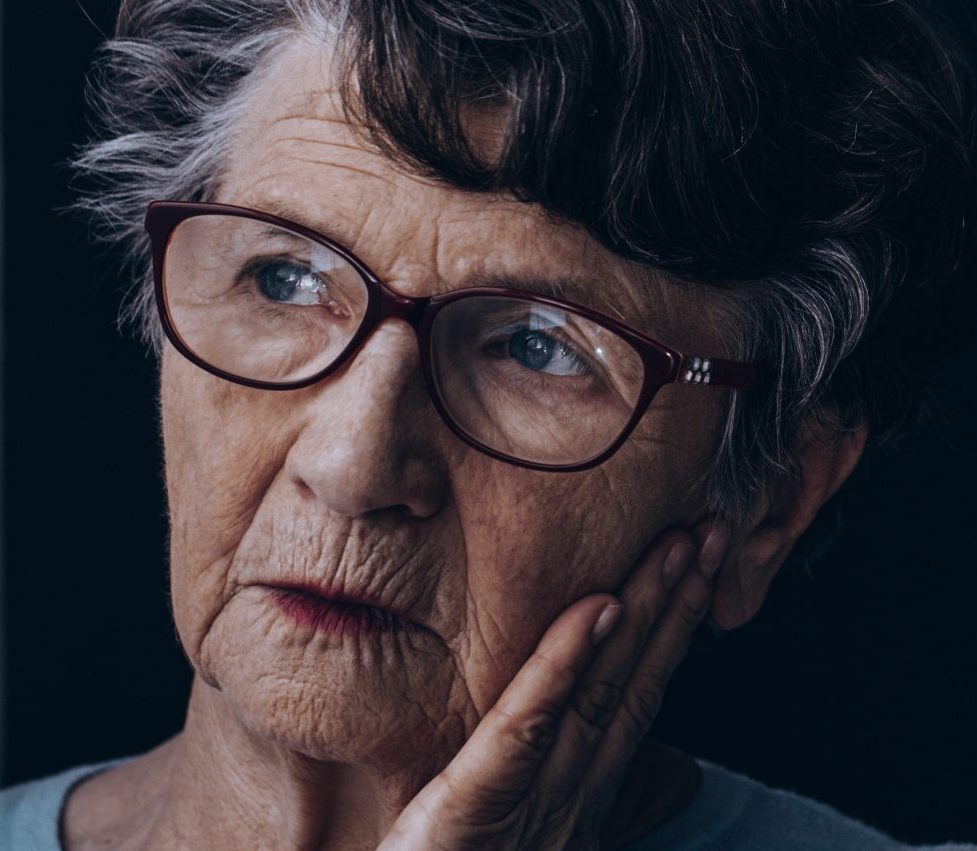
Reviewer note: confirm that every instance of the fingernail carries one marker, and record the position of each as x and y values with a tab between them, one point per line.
606	622
678	561
714	550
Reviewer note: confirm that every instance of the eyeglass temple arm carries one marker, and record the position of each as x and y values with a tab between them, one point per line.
726	373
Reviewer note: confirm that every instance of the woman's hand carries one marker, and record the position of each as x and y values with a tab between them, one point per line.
545	763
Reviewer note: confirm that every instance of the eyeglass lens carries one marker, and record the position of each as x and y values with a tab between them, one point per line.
532	381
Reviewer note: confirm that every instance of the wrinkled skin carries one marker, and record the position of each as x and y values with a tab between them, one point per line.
302	740
358	480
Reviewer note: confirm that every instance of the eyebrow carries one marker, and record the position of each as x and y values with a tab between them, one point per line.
283	210
584	292
624	302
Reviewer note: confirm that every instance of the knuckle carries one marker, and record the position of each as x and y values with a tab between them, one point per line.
654	677
691	610
536	730
479	805
644	703
596	702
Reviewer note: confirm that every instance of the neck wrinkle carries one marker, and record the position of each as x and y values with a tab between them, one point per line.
228	788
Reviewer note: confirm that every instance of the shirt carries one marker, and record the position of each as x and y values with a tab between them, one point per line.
730	812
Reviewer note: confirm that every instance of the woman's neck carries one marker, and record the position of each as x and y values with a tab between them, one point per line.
216	785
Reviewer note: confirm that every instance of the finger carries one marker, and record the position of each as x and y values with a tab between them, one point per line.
599	690
664	651
497	764
669	642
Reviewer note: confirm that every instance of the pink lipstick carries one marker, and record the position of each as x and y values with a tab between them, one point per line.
336	614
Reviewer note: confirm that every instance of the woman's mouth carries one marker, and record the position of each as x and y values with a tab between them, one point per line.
335	616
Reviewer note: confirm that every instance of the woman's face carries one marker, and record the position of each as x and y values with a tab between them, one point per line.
356	483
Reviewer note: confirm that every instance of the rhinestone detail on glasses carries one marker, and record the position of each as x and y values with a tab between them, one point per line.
697	370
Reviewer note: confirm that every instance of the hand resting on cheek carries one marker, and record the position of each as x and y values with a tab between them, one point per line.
544	767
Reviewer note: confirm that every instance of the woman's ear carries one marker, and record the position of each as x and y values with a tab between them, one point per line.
757	552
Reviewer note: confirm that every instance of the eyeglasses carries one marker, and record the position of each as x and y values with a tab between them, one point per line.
535	381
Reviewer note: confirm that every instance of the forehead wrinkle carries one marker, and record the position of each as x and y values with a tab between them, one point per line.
307	115
285	205
341	149
622	302
605	284
315	94
347	167
624	298
306	140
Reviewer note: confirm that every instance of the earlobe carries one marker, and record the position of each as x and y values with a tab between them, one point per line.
758	552
745	577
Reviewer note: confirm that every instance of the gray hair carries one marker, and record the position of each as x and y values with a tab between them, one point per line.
807	285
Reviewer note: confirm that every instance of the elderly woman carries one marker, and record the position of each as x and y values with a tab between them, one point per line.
501	344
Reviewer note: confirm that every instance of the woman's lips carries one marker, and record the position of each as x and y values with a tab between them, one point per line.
336	616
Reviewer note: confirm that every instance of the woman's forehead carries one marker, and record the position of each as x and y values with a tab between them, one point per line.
295	154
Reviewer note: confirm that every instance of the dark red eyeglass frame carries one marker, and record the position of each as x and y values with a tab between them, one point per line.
662	364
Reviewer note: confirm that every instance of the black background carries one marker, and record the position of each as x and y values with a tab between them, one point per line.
857	685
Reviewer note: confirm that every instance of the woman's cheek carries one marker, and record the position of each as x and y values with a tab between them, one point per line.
220	463
528	557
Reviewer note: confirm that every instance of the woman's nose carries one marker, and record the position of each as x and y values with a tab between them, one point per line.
371	438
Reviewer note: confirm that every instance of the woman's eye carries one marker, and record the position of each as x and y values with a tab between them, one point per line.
288	283
540	352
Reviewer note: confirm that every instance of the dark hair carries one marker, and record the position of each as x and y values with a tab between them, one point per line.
814	160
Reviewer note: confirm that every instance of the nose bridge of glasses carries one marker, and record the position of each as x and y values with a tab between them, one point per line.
393	305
